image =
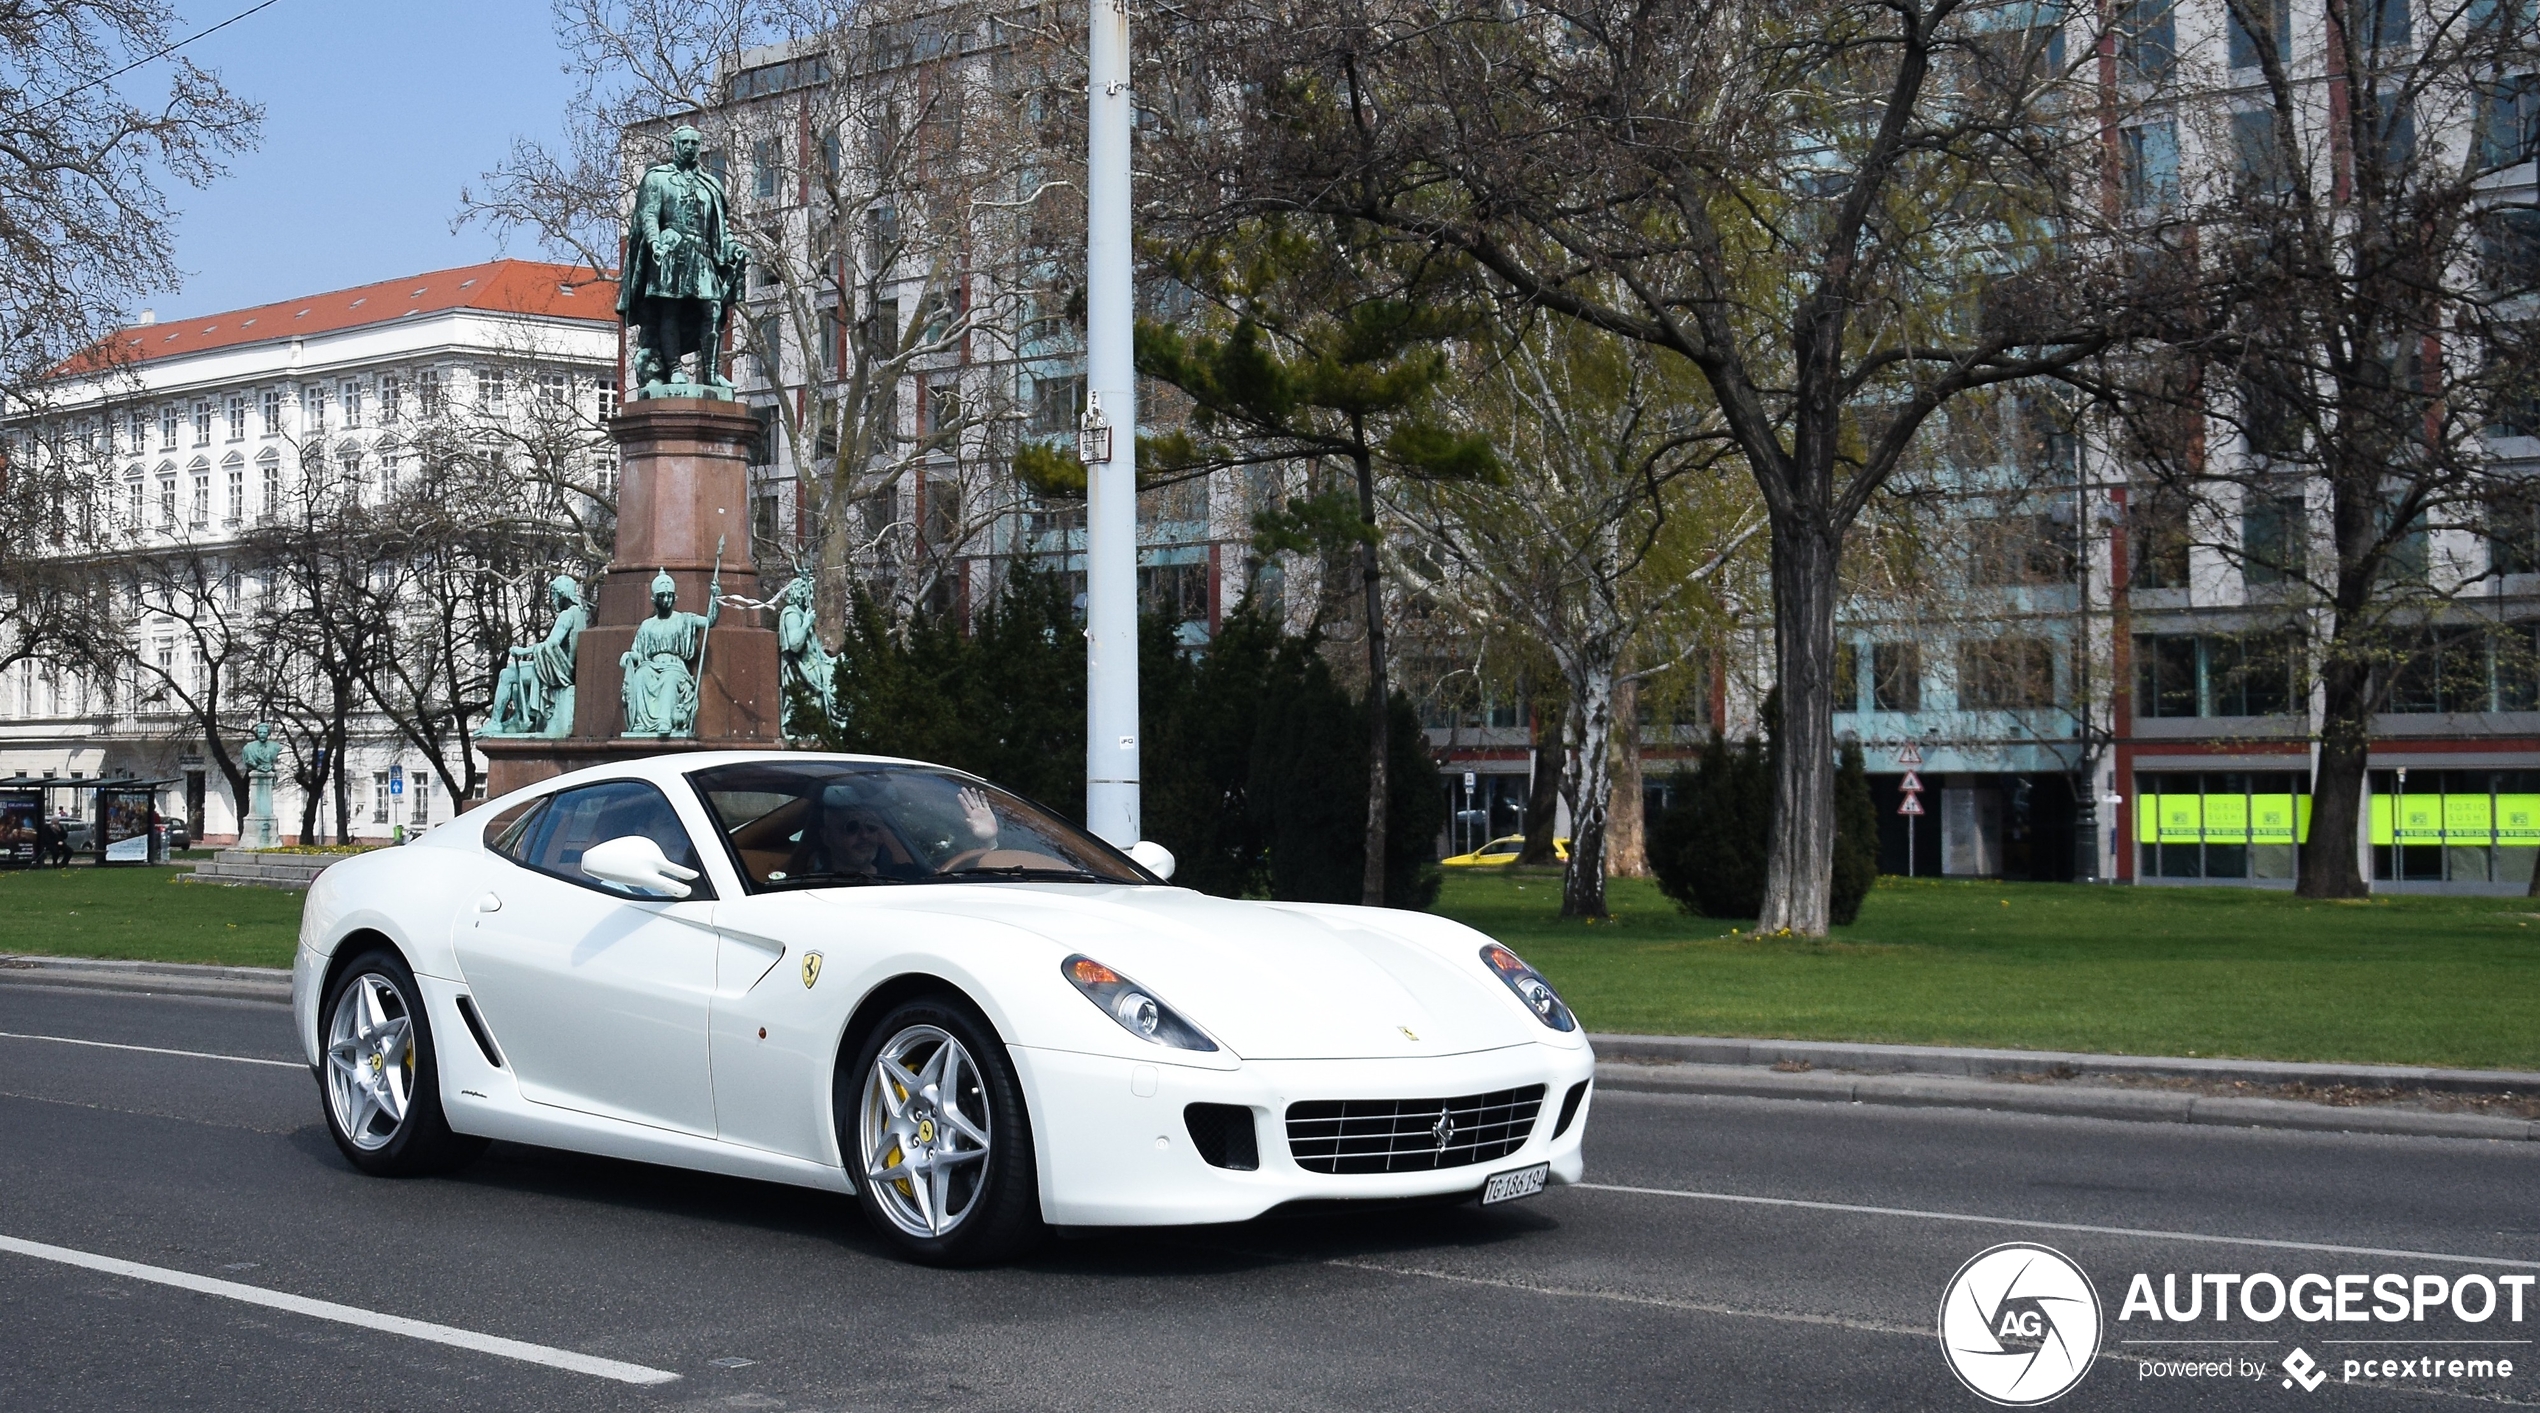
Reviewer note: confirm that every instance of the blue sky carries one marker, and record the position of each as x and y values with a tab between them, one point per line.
376	113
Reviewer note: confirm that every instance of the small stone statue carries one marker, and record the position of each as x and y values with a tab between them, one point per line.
808	666
683	269
260	757
534	694
661	668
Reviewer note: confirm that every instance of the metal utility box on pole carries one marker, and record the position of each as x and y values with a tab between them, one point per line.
1108	442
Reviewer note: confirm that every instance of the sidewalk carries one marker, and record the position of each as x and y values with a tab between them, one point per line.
2386	1099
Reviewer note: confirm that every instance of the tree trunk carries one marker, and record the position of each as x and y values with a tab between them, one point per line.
1589	787
1799	868
1379	702
1543	790
2328	852
343	785
1626	831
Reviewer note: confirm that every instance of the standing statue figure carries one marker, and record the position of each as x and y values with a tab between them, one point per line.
683	269
534	694
260	756
808	667
661	668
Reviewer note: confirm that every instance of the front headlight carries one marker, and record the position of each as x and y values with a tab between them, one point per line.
1530	987
1132	1005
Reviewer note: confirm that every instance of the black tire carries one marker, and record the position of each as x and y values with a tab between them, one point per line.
421	1141
1002	1219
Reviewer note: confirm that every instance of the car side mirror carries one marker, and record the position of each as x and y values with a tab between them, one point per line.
1153	857
635	861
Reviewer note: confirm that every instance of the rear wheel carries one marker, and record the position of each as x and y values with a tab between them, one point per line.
380	1077
933	1126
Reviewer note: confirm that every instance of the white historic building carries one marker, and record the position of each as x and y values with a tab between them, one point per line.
192	433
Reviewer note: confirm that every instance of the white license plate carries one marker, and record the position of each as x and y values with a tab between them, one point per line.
1509	1186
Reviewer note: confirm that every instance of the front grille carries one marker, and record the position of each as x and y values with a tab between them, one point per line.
1410	1135
1570	1107
1223	1135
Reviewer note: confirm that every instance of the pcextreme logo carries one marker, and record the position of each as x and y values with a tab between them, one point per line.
2019	1324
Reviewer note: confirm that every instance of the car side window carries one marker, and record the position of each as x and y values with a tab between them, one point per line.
574	820
509	833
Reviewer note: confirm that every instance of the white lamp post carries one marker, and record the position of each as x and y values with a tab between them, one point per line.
1108	441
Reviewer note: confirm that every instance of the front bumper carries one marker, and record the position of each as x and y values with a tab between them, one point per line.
1114	1151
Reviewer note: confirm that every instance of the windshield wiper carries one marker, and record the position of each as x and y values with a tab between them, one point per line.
832	879
1020	873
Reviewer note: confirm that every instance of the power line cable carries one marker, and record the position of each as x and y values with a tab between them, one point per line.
32	108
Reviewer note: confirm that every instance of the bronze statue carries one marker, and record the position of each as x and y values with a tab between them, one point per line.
683	270
808	668
662	666
534	694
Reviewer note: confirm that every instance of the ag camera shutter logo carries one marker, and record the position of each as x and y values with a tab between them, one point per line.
2019	1324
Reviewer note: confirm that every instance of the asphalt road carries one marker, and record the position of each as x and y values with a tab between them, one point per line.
1649	1288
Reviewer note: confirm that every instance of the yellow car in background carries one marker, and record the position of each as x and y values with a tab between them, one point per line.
1503	850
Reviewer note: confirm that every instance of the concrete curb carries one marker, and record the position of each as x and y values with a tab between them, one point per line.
1914	1075
165	978
2143	1106
2044	1064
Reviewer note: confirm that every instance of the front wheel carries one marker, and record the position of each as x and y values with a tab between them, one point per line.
380	1077
934	1128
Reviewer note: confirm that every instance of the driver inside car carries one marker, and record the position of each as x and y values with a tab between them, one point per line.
852	841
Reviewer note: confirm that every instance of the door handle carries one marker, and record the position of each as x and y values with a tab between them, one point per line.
489	904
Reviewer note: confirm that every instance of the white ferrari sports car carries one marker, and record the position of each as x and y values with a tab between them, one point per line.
890	978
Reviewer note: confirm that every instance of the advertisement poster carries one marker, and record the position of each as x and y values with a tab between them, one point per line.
20	812
124	818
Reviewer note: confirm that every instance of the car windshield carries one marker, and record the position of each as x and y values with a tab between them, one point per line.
839	824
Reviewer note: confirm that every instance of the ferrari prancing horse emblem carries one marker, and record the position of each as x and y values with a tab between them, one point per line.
811	969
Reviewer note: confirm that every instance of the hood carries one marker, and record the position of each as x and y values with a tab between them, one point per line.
1270	981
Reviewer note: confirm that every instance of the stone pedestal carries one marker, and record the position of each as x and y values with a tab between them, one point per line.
257	830
683	484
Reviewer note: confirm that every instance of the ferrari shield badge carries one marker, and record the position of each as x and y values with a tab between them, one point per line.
811	969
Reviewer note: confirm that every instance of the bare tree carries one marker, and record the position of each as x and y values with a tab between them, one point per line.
1599	541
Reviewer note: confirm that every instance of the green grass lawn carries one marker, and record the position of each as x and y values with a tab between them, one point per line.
2174	971
144	914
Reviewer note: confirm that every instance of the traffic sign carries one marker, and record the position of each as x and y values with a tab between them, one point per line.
1913	805
396	780
1468	780
1912	755
1913	784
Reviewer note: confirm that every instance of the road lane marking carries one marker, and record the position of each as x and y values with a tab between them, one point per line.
1625	1297
2035	1225
347	1314
155	1050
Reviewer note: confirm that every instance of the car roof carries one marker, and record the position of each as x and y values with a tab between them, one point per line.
671	765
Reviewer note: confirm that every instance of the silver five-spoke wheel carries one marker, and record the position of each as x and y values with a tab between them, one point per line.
925	1131
370	1061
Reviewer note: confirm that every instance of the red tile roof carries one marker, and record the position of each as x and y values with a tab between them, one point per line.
500	286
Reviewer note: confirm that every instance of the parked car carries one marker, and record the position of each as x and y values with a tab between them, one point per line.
178	838
893	980
1503	850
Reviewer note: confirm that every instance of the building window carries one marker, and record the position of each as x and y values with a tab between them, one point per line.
2147	40
2465	668
2512	115
167	499
269	472
2253	674
2148	156
428	395
351	397
202	515
554	389
419	806
1896	677
2257	154
2157	539
312	410
203	422
136	429
390	407
2220	824
766	168
167	428
273	412
608	398
2006	674
237	410
489	389
132	495
2455	826
2274	532
1847	675
237	491
379	797
2275	30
